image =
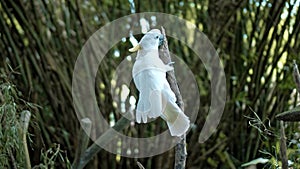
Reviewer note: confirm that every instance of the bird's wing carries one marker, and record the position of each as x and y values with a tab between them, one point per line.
178	123
150	83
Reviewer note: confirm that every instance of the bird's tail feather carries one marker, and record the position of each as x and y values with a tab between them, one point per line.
179	126
177	121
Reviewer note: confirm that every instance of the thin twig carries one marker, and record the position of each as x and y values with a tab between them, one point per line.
13	160
140	165
296	76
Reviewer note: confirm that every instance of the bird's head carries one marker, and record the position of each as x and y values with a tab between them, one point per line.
150	41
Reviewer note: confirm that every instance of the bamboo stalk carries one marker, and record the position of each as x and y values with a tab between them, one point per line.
83	140
25	118
296	76
91	151
284	159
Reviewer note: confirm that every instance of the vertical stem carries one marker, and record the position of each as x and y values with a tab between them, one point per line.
284	159
92	150
83	140
180	154
180	148
25	117
296	76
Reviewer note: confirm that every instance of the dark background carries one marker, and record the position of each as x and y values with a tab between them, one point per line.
257	42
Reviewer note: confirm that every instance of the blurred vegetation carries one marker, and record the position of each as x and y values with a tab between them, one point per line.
256	41
12	151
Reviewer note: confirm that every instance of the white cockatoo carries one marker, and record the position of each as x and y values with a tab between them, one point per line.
156	99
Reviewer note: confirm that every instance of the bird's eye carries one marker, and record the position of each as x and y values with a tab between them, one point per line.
156	37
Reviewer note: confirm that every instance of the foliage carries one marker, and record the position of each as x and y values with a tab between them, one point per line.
53	158
11	131
12	151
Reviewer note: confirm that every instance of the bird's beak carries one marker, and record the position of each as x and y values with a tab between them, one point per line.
134	49
161	39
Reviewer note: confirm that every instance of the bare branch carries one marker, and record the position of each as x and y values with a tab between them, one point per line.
91	151
140	165
180	149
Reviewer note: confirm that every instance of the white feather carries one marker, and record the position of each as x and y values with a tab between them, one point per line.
156	99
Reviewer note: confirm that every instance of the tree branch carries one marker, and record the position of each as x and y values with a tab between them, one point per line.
91	151
296	76
180	148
